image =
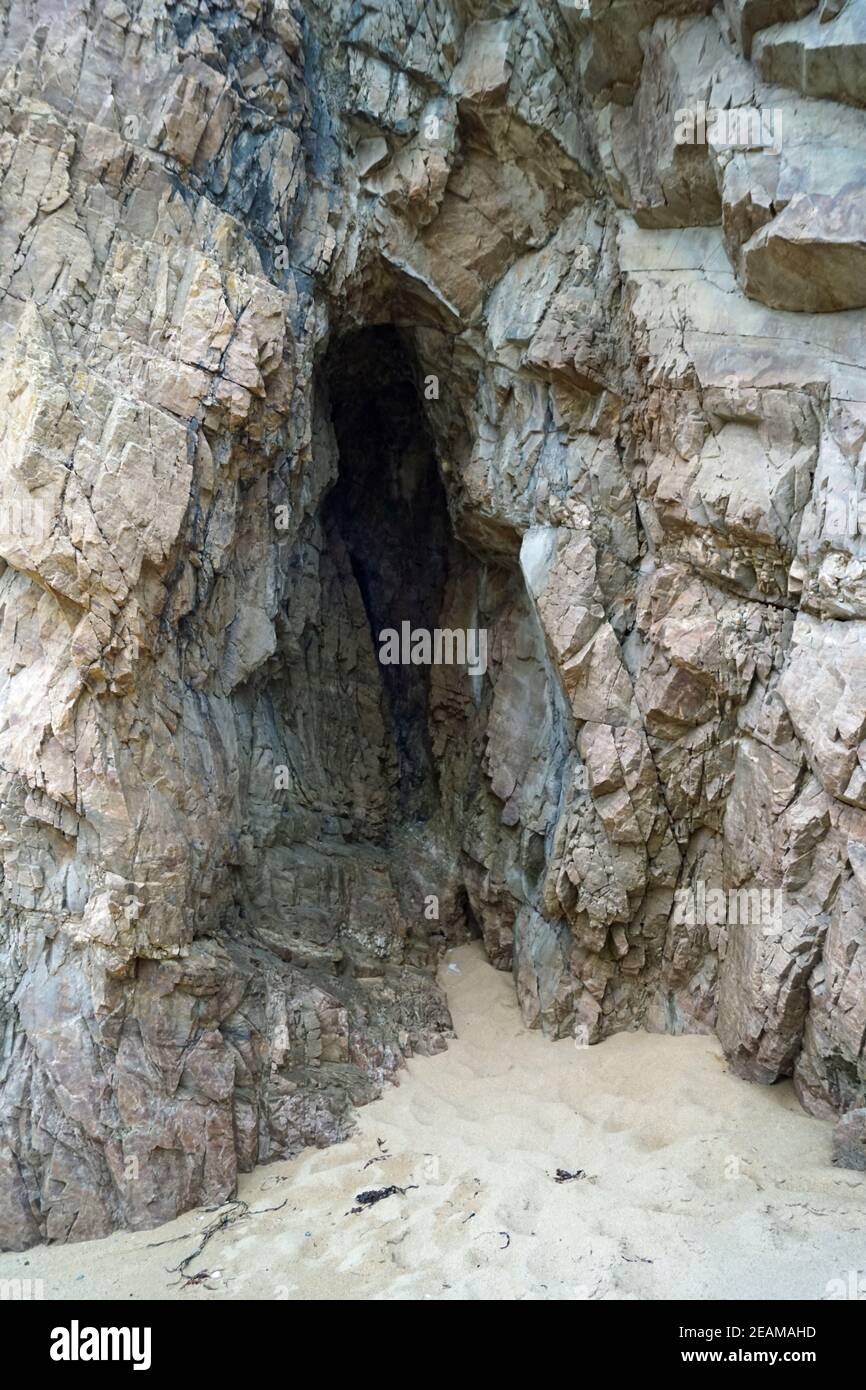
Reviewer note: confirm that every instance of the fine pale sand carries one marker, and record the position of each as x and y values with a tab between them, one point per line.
697	1185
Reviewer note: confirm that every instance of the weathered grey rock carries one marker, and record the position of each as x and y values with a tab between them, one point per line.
849	1140
821	55
321	318
746	17
812	256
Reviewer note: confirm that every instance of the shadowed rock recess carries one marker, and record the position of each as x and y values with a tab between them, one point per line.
317	318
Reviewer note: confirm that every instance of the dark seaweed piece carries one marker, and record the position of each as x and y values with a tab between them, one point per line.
378	1194
563	1175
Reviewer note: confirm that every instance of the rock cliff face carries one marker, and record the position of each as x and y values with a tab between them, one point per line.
317	318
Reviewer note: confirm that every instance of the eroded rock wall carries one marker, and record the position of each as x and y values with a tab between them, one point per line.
622	421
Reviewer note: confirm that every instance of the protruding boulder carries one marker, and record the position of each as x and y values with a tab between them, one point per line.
811	258
849	1140
822	55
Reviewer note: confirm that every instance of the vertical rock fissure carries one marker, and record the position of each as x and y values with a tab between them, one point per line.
388	508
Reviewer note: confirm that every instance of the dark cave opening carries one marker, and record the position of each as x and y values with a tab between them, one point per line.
411	749
390	510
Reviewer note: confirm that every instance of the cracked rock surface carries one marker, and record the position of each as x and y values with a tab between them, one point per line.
321	317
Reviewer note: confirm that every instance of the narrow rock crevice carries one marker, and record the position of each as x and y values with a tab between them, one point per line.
388	508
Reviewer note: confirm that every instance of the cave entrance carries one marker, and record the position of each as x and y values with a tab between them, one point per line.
390	512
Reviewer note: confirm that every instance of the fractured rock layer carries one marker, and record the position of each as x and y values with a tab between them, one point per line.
318	318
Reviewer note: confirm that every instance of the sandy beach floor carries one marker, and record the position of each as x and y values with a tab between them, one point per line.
693	1184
